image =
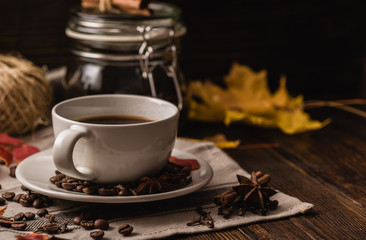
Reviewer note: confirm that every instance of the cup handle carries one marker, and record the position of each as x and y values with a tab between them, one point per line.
63	149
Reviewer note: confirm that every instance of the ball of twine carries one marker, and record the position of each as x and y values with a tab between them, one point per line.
25	95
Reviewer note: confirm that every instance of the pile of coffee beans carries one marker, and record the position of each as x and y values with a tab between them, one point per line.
30	199
172	177
39	201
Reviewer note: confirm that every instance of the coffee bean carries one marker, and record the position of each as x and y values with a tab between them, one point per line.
87	183
107	191
19	225
19	217
125	229
24	188
1	186
87	224
122	191
42	212
76	220
54	179
2	201
50	228
72	180
90	190
101	224
25	201
12	171
58	184
61	176
68	186
38	203
79	188
17	197
97	234
32	196
29	215
8	195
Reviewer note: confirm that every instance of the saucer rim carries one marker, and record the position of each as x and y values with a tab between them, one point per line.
200	178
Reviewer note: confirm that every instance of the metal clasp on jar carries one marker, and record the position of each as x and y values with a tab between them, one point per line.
146	53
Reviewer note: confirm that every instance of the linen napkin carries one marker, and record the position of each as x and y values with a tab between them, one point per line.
155	219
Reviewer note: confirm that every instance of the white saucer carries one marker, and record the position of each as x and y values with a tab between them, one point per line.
35	171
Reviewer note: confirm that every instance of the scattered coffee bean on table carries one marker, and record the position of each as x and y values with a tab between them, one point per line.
38	203
77	220
125	229
19	217
87	224
29	215
8	195
42	212
97	234
101	224
17	197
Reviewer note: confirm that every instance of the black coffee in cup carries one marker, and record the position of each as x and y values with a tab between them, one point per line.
114	119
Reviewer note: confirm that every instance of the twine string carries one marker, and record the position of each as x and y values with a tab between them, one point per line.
25	95
340	104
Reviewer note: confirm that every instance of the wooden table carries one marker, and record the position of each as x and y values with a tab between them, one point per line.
326	167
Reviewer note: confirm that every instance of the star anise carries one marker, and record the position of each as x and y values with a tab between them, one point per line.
255	193
150	185
251	194
170	178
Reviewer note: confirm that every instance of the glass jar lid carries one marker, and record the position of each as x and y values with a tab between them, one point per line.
92	25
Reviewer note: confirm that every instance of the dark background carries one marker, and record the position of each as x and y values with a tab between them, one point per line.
318	45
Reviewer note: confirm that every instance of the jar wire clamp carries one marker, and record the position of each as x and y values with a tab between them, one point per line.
146	52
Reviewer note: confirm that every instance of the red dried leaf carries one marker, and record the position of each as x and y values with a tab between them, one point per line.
6	156
191	163
24	151
2	210
32	236
7	140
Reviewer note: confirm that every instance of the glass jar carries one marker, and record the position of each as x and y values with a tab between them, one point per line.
123	53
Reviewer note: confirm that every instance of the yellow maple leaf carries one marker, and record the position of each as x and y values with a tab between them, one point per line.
248	98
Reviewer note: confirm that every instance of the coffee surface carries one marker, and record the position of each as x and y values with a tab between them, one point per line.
114	119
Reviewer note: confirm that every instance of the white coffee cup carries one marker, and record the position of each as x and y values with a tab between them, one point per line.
110	153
